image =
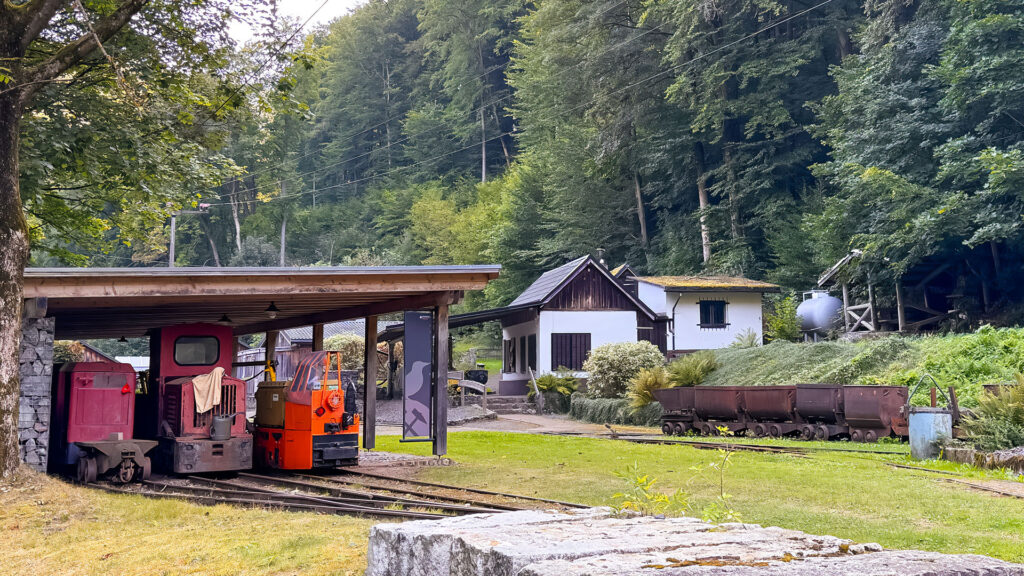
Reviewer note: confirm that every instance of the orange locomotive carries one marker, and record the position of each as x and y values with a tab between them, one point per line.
309	422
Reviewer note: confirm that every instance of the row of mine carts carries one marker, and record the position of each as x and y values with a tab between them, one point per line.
809	411
188	414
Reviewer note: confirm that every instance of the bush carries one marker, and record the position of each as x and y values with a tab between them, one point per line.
690	370
351	347
783	322
746	339
68	351
610	367
998	421
613	411
556	388
642	386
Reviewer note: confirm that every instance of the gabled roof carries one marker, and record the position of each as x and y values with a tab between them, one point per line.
622	270
548	282
709	284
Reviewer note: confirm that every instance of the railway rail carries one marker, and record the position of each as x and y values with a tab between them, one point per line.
348	493
639	438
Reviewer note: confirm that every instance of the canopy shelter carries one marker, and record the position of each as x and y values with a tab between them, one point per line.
128	302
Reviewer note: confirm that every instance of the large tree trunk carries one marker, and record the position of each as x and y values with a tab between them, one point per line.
705	203
14	254
641	212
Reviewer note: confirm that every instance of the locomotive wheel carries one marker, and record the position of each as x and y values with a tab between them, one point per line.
775	431
821	433
677	429
666	428
125	472
760	431
807	432
870	436
147	468
856	436
86	470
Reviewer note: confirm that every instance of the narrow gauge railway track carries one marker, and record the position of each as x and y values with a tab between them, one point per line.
638	438
430	490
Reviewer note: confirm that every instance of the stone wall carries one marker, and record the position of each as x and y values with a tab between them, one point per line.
36	369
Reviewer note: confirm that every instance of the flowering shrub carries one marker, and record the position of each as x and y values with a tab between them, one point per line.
612	366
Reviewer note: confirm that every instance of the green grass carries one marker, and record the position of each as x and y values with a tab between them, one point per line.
854	496
966	361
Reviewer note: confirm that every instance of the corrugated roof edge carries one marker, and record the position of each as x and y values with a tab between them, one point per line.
258	271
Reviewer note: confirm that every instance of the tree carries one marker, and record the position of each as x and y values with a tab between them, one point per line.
49	46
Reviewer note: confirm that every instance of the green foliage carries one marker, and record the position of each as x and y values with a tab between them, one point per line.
782	322
746	339
560	382
998	421
640	496
613	411
611	366
67	351
352	349
642	386
692	369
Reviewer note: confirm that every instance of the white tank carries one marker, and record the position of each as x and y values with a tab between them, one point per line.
819	312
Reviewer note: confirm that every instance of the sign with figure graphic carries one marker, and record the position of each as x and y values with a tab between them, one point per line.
418	350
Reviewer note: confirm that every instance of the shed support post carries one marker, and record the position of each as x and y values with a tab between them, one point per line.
269	355
370	385
440	395
318	337
35	371
871	307
901	313
846	306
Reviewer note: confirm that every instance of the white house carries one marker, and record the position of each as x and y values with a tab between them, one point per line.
705	312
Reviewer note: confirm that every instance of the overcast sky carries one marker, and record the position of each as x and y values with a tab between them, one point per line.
301	9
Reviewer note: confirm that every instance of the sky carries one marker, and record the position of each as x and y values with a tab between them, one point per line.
301	9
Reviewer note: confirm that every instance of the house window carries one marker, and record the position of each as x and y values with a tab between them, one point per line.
522	353
531	352
569	350
712	314
509	361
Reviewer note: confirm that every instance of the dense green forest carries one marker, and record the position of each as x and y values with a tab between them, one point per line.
765	138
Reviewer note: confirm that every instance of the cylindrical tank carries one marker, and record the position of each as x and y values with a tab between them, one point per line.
929	429
819	312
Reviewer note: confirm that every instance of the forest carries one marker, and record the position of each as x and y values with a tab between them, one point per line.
762	138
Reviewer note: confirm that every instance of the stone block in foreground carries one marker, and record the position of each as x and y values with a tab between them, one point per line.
592	542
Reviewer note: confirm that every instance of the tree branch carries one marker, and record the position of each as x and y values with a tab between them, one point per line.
33	17
72	53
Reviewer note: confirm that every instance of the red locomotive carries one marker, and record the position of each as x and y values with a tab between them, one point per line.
311	421
93	411
195	437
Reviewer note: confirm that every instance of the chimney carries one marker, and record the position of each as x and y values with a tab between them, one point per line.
600	257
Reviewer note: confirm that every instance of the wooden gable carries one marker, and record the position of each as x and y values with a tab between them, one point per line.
590	289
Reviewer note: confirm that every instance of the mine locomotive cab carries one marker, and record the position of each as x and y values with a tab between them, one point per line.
311	421
194	407
92	416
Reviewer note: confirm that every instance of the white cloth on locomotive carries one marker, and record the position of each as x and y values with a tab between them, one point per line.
207	390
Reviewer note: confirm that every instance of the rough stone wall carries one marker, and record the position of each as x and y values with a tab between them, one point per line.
36	370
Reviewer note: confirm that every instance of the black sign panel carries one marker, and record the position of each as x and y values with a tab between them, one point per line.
419	352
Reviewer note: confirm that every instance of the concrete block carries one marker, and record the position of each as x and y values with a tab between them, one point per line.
594	543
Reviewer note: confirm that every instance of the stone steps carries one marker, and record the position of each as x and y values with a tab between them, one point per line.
510	405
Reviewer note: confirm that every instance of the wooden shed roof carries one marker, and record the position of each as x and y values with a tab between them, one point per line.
114	302
709	284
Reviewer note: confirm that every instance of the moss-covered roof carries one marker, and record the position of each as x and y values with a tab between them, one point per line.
709	283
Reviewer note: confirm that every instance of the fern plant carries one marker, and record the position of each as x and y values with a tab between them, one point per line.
642	386
690	370
998	421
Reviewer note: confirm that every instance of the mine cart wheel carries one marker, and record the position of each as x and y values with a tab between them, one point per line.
807	432
125	473
147	468
677	429
86	470
856	436
870	436
821	433
705	429
666	428
760	431
775	431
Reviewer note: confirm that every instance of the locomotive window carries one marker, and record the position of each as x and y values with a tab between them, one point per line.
712	314
196	351
109	380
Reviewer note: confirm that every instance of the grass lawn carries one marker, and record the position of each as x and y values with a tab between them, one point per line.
50	527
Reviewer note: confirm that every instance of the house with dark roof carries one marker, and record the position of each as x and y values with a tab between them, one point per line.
705	312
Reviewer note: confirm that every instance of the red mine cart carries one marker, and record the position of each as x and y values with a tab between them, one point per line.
93	411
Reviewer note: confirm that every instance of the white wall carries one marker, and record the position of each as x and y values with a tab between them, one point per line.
743	312
655	298
515	331
605	327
